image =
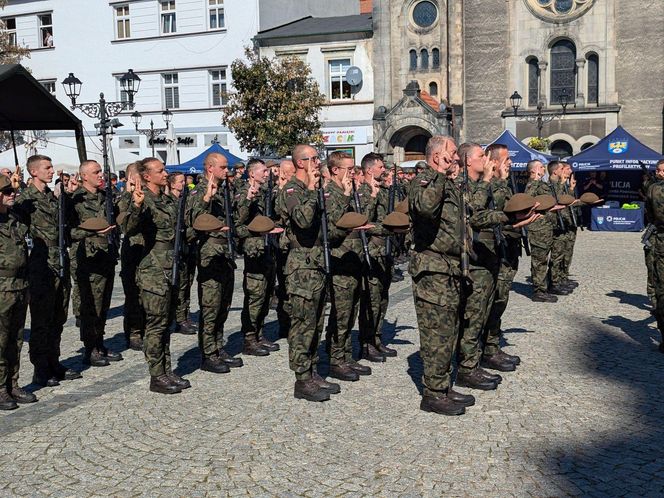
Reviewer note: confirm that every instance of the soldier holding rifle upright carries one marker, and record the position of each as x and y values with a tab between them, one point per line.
655	207
302	213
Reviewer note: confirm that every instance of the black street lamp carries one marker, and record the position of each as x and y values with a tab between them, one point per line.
152	132
540	118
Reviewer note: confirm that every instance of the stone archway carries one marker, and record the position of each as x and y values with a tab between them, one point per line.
409	143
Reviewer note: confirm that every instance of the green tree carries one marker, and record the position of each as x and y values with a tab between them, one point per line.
10	51
275	105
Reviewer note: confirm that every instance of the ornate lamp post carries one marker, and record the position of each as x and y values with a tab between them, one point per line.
152	132
540	118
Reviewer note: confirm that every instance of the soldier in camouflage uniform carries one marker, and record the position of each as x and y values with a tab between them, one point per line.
573	215
131	254
216	267
540	236
492	355
13	297
286	172
49	282
347	270
153	213
655	207
94	271
259	263
183	323
561	232
648	252
375	285
305	277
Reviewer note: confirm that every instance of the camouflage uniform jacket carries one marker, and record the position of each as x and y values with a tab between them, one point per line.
247	209
13	253
655	205
566	213
535	188
502	192
39	210
91	250
346	246
211	244
375	208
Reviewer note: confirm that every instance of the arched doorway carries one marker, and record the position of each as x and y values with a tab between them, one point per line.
561	148
409	143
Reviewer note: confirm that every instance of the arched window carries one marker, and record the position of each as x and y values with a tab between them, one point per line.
435	55
593	79
533	81
424	59
413	60
587	145
560	148
433	89
563	71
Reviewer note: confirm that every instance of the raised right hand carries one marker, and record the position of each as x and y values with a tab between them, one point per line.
212	187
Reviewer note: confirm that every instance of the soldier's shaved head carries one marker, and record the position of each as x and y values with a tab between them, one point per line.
436	144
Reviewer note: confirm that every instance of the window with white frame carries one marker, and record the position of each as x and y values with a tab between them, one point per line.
171	90
167	8
124	96
45	30
216	14
219	87
339	88
122	24
49	85
9	24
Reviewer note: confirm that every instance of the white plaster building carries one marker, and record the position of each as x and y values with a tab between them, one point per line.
181	49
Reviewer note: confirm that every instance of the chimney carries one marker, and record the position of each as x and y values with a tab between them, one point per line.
365	6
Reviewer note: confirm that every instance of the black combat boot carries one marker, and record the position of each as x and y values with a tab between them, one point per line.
309	390
110	355
461	399
6	400
442	405
163	385
491	377
179	381
475	380
344	372
253	348
559	290
543	297
229	360
358	367
371	353
495	362
330	387
269	345
135	343
21	395
215	365
386	351
95	358
509	357
61	372
187	327
43	377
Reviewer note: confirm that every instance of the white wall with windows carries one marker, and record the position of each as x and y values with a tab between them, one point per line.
348	111
181	49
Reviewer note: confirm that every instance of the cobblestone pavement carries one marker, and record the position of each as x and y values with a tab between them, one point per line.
581	416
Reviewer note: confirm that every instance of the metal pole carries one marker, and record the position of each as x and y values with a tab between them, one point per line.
540	123
102	124
14	147
152	136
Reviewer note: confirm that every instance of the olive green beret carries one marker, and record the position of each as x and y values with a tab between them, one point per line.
545	201
260	225
5	182
590	198
352	220
207	223
519	202
397	222
94	224
566	199
402	206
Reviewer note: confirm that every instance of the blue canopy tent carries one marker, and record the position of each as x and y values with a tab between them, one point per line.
519	152
195	165
617	151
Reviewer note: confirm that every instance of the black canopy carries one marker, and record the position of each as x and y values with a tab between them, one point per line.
26	105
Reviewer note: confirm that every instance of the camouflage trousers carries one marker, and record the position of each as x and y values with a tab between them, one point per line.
74	293
13	308
215	293
558	253
49	303
657	241
133	319
306	293
475	311
95	292
506	274
650	267
570	240
283	304
344	300
540	247
187	272
374	298
258	286
437	301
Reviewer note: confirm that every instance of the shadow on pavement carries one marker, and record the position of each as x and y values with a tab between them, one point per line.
523	289
637	300
630	460
415	370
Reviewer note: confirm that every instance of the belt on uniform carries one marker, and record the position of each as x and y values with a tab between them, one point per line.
47	243
17	272
296	244
163	246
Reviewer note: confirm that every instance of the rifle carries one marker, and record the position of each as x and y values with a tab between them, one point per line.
645	238
323	218
363	234
179	238
561	222
62	243
524	233
390	207
463	208
572	209
268	208
228	208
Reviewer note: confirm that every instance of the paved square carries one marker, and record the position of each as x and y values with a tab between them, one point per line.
581	416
